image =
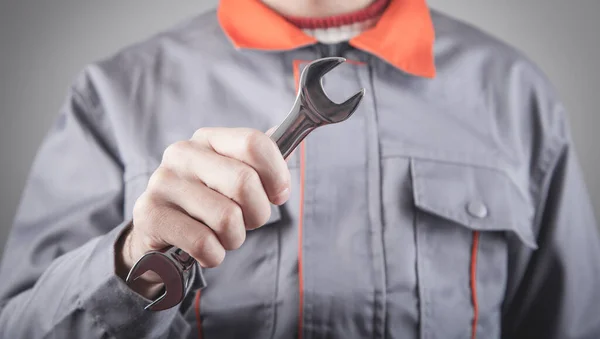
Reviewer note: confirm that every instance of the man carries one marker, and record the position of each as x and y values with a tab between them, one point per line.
450	205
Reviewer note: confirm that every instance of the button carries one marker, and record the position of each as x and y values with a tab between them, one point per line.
477	209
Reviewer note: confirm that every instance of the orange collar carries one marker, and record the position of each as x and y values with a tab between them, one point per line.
403	36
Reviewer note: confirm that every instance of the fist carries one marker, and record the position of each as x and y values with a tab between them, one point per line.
206	193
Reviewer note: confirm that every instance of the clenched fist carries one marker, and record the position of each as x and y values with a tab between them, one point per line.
203	197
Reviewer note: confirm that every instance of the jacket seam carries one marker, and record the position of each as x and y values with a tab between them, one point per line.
91	116
542	182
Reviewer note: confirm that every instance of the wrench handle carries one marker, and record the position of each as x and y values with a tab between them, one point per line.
294	128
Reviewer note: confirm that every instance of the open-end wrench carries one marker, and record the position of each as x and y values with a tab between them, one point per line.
311	109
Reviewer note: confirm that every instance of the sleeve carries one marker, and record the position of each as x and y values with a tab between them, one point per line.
58	270
559	296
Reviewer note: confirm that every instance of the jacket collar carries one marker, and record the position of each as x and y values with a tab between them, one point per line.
403	36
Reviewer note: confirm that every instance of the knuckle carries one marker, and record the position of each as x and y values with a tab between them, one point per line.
141	208
265	214
245	177
231	226
204	249
175	151
253	141
160	179
230	216
237	242
200	133
261	216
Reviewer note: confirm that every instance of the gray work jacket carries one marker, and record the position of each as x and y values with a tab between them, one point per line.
450	205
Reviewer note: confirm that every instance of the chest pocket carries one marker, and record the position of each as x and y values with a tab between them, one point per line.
465	216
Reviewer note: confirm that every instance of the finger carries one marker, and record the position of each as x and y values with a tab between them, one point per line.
176	228
229	177
255	149
215	210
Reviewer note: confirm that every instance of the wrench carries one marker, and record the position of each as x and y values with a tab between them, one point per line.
312	108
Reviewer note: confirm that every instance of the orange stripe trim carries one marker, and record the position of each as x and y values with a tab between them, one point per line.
198	319
296	70
473	279
300	225
404	35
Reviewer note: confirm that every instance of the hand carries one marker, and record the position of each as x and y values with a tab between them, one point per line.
203	197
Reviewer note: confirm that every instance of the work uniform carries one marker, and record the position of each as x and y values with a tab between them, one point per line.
450	205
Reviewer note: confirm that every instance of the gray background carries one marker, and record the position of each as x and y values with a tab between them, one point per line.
43	44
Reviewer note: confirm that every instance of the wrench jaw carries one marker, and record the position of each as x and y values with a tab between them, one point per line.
170	273
347	108
314	99
314	72
312	107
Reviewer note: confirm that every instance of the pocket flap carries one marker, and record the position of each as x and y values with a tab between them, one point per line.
479	198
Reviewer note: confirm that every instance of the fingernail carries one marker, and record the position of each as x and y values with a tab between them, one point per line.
282	197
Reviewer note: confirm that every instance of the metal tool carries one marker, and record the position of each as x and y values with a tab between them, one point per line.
311	109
